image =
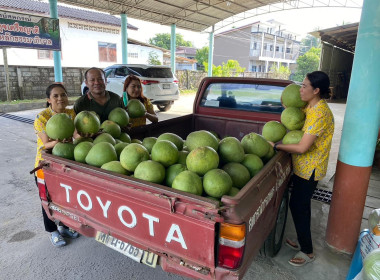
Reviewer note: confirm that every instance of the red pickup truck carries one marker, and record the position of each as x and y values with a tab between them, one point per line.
186	234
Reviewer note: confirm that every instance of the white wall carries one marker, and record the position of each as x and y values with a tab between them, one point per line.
80	47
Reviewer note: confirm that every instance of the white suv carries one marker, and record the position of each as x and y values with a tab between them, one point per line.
159	83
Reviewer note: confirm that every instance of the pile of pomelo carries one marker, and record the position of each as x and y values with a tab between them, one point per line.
201	164
292	118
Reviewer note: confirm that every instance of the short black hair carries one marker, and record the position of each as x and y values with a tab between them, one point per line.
94	68
50	88
319	79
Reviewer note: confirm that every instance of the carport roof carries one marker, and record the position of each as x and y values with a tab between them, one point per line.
343	36
194	15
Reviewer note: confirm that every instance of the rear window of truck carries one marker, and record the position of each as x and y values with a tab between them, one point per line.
244	97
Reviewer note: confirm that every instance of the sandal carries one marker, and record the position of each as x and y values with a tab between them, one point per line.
57	239
68	232
300	259
292	245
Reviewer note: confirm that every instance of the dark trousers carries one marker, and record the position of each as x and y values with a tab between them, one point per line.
300	207
50	226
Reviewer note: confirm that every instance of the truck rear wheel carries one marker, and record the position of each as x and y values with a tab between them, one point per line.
273	243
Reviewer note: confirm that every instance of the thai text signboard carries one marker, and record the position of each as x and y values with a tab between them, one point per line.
29	31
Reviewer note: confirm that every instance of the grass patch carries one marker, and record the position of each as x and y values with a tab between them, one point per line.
188	91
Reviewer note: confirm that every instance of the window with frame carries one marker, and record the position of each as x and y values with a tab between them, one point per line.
246	97
107	52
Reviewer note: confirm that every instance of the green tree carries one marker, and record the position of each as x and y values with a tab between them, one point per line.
308	42
230	69
307	63
153	58
162	40
202	56
282	72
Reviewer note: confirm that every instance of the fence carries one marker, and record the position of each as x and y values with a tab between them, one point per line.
30	82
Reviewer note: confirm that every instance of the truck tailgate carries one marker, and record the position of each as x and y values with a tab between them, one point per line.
149	216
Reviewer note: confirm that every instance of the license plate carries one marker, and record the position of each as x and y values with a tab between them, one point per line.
127	249
166	86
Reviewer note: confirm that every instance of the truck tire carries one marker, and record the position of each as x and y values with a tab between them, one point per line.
273	243
164	107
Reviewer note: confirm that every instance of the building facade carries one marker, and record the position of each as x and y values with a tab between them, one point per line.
87	39
258	47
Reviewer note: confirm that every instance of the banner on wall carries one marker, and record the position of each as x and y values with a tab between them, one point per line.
29	31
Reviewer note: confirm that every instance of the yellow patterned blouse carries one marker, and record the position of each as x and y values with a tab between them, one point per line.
40	125
320	122
141	121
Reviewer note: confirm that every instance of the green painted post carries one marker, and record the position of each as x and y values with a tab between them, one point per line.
124	38
56	54
210	52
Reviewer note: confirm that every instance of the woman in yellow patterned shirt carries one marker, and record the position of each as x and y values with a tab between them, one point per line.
133	90
310	157
57	101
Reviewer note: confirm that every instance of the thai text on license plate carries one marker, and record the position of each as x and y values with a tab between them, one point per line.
127	249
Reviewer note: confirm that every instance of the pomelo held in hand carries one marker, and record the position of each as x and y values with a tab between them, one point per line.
254	143
135	108
293	118
119	116
60	127
87	123
274	131
292	137
291	96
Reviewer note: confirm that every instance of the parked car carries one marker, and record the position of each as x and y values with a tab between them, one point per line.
159	83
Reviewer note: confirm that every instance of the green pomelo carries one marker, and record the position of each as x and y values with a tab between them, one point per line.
291	96
269	155
119	147
150	171
148	143
136	141
231	150
201	138
96	115
124	137
238	173
119	116
132	155
253	163
174	138
105	137
82	139
115	166
165	152
81	150
217	183
371	264
60	127
274	131
64	150
188	181
135	108
293	118
182	155
215	134
234	191
172	172
86	123
117	141
100	154
202	159
292	137
111	128
254	143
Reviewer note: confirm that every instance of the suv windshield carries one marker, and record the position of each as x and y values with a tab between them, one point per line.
154	72
247	97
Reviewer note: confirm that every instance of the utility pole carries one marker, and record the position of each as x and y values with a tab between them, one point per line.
6	73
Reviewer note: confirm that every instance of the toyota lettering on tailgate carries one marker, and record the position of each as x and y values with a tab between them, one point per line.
125	214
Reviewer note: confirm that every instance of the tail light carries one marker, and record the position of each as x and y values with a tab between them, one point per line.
149	82
176	81
41	184
231	245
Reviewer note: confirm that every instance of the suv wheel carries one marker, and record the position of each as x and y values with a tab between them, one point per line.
164	107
